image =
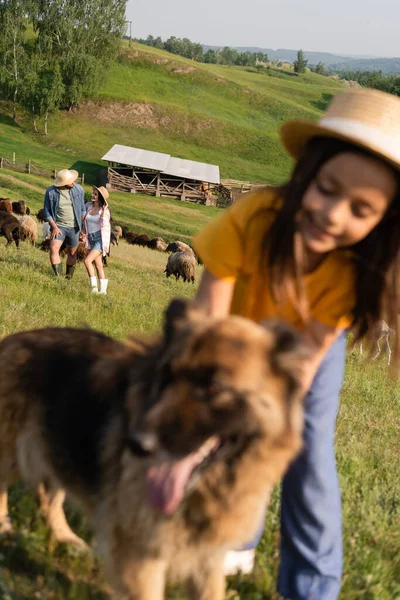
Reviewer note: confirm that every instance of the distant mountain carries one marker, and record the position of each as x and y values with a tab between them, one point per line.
389	66
335	62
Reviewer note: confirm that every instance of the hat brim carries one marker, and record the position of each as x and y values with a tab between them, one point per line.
295	136
101	193
74	177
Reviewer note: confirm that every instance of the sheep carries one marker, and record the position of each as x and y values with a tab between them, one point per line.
179	247
40	216
9	227
6	205
114	238
118	230
45	247
28	211
141	240
158	244
130	237
28	229
19	208
181	264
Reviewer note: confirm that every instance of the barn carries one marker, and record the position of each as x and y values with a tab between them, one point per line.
142	171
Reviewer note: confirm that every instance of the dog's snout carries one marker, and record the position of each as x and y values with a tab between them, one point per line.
142	443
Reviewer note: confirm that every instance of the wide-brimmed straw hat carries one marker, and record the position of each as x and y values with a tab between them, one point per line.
65	177
102	191
366	118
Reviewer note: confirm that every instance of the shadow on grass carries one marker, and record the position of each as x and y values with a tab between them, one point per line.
322	103
7	120
95	174
27	574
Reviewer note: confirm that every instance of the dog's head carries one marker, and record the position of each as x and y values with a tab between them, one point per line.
221	387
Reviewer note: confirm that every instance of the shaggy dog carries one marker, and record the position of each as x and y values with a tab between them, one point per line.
171	446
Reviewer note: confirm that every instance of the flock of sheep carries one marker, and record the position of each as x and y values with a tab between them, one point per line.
181	262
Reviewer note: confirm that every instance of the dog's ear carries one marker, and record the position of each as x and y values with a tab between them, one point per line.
179	314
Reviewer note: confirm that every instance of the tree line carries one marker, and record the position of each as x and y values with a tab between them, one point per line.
53	53
226	56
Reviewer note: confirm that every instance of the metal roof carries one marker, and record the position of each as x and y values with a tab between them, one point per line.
190	169
179	167
135	157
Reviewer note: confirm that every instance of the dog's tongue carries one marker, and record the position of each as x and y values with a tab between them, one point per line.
166	482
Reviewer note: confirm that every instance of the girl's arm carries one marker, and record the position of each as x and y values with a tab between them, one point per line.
215	296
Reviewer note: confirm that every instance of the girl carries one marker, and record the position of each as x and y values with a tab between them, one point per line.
320	252
98	234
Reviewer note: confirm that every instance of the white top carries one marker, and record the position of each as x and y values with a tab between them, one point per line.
93	223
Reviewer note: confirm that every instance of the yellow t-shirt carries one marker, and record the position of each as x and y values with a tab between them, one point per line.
230	247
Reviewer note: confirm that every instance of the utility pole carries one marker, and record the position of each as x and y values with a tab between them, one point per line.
130	31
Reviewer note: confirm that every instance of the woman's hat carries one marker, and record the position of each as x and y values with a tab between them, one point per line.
102	191
366	118
65	177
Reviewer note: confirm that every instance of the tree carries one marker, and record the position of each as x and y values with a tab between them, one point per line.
158	43
228	56
300	64
210	57
13	48
83	38
320	69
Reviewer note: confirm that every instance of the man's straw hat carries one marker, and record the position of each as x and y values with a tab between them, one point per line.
65	177
103	191
366	118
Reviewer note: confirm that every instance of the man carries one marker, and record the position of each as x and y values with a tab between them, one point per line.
64	208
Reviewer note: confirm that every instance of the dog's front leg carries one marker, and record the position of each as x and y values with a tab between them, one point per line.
5	523
208	583
140	579
51	503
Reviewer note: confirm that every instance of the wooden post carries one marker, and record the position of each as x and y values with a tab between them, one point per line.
29	166
158	186
13	158
83	178
1	162
55	174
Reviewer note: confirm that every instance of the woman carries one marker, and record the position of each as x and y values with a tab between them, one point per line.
97	233
320	252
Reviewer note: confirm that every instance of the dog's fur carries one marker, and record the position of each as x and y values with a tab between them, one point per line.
113	424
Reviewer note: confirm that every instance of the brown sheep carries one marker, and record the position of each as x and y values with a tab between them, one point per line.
181	264
40	216
130	237
179	247
28	229
114	238
141	240
118	230
6	205
19	208
158	244
45	246
9	228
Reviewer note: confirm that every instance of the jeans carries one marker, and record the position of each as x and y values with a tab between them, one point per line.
311	527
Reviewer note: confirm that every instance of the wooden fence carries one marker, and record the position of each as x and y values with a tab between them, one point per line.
31	168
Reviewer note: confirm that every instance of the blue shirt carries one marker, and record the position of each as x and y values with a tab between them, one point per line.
52	201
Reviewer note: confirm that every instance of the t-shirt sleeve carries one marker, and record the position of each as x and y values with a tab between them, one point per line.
221	243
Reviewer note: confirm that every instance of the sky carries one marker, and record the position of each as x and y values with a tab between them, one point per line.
351	27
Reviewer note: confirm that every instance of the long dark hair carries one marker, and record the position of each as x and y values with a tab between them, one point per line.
376	257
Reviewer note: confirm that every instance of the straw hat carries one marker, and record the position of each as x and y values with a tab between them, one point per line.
364	117
65	177
103	191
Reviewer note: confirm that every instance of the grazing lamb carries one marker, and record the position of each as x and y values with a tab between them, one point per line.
381	331
46	231
28	229
141	240
40	216
181	264
118	230
114	238
179	247
130	237
6	205
9	228
158	244
19	208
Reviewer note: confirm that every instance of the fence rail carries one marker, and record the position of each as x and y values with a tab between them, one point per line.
32	169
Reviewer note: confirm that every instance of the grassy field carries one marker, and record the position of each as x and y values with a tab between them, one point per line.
151	99
367	439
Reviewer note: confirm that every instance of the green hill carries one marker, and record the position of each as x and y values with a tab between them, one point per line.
151	99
